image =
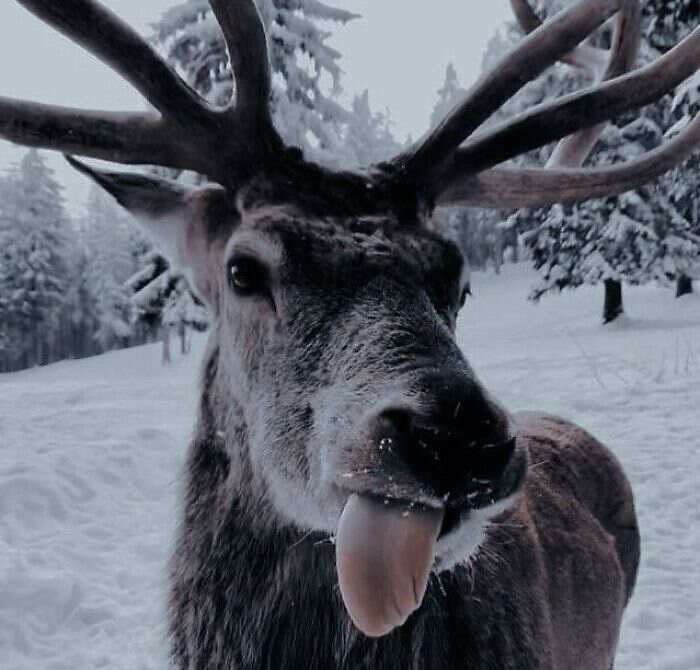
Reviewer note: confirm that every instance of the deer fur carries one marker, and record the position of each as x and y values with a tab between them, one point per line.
546	588
538	580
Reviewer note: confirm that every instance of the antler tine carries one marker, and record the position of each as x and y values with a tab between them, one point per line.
572	151
510	188
532	56
247	46
551	121
124	137
590	59
102	33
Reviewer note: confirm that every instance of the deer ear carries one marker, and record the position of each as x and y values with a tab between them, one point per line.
184	222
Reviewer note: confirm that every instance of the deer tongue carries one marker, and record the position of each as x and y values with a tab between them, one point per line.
384	554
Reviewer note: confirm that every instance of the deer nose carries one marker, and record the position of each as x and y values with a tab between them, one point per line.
460	444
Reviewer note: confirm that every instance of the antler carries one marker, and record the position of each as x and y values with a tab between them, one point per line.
510	188
539	50
573	150
247	47
233	143
188	133
585	57
467	180
136	138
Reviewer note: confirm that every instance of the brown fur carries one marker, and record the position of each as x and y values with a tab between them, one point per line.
546	589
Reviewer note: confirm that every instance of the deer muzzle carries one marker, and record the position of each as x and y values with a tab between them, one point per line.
421	477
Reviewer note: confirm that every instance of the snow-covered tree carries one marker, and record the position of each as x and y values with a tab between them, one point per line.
111	246
664	20
61	283
35	263
306	74
636	237
449	95
367	136
80	318
163	302
554	82
684	182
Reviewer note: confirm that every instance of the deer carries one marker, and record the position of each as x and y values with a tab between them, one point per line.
354	497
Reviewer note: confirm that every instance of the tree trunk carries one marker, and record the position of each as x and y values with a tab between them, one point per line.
166	346
613	300
36	354
516	247
684	285
182	328
498	252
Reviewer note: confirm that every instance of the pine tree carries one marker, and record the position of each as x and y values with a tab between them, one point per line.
449	95
163	302
35	271
80	317
368	138
667	21
110	260
306	74
684	181
636	237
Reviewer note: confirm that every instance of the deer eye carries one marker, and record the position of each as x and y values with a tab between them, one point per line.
247	276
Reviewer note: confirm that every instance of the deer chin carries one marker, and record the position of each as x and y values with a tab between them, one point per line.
384	554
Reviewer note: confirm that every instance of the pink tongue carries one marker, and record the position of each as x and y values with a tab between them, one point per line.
384	554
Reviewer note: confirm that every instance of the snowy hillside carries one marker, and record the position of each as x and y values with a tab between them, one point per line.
91	453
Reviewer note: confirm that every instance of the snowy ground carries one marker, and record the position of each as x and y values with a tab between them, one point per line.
91	452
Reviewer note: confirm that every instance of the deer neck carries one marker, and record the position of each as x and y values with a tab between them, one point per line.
243	571
224	488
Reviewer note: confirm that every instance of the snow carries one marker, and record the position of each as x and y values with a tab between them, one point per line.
92	452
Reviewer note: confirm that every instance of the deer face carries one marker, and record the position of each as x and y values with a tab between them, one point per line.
338	343
338	357
338	339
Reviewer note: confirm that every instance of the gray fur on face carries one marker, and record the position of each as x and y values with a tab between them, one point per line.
353	317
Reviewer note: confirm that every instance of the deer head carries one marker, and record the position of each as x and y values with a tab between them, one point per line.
339	384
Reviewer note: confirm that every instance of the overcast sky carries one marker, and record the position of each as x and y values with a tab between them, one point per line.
398	50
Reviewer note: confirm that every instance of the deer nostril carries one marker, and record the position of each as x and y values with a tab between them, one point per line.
490	460
395	421
391	429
